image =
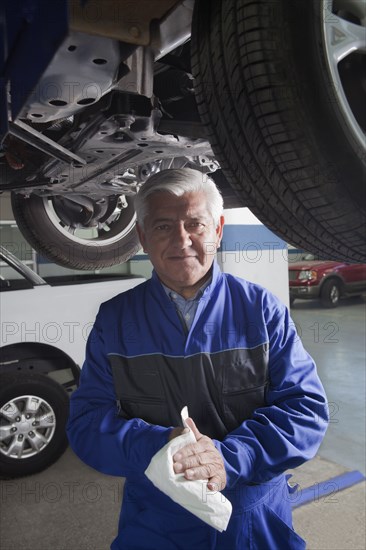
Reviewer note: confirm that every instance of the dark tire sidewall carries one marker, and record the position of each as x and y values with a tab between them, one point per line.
36	226
326	291
316	92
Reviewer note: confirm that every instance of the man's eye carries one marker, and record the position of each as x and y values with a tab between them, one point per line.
163	227
196	226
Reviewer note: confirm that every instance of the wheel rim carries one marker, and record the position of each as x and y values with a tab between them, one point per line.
101	232
344	33
334	294
27	425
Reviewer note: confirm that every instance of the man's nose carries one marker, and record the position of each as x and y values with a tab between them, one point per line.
181	237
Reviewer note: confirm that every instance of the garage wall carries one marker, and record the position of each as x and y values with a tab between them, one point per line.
6	212
251	251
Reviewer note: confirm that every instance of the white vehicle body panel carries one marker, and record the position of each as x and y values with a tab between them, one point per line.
59	316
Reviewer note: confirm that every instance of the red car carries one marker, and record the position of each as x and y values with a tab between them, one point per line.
327	280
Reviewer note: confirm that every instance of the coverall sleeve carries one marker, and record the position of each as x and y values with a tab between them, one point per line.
289	429
96	433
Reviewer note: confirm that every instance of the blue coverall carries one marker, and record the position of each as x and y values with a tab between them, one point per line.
249	385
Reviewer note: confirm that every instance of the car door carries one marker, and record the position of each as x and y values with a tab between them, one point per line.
354	276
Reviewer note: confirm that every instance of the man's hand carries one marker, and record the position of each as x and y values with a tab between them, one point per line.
201	460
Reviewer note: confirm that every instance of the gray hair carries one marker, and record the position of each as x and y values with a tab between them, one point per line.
178	182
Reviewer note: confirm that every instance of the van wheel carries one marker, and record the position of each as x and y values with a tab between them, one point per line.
92	236
280	88
33	415
330	293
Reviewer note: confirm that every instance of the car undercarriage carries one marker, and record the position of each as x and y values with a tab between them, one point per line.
266	97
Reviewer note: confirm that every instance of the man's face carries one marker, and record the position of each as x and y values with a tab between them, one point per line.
181	239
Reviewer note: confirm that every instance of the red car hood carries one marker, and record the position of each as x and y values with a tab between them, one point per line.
312	264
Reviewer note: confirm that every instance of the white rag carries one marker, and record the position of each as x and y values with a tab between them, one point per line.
210	506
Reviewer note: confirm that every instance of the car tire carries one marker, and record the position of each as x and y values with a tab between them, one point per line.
289	138
330	293
46	233
33	414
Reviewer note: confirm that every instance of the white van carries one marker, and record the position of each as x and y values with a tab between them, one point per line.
44	328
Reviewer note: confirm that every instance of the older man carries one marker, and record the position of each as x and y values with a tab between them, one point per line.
195	336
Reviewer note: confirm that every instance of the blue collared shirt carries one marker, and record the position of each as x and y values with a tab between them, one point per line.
186	309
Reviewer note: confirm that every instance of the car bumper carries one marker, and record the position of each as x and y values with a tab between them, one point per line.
304	292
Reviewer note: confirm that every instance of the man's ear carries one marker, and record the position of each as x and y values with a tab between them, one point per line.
219	230
141	235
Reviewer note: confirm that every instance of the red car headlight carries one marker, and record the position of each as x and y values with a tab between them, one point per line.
307	275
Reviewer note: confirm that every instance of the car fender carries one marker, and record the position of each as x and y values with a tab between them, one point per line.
35	357
335	276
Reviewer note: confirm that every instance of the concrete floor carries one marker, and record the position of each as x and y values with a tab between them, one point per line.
71	507
336	340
